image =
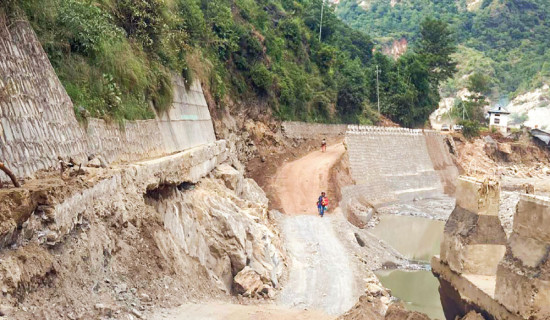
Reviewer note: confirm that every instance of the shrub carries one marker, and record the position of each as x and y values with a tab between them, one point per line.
470	129
261	77
142	20
87	27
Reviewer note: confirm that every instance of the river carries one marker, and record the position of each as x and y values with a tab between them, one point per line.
417	239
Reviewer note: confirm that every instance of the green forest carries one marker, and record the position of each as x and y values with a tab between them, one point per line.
116	58
507	40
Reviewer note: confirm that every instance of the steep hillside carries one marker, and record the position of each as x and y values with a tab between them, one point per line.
116	59
506	38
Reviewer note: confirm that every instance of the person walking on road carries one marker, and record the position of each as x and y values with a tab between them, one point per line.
322	204
324	145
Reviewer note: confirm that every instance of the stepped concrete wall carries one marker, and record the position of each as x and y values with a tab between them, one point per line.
303	130
479	269
37	122
395	164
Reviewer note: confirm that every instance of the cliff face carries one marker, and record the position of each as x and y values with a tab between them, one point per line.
532	109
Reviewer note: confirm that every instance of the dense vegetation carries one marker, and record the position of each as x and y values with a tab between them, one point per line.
116	58
505	39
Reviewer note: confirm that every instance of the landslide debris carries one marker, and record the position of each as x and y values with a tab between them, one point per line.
494	155
132	251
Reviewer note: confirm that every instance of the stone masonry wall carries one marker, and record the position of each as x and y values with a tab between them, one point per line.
303	130
390	164
37	122
36	114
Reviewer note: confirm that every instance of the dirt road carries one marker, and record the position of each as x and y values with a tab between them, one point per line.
299	183
227	311
321	276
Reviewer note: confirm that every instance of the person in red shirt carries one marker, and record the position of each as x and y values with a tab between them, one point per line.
322	204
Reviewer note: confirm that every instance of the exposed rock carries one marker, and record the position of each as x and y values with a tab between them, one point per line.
225	232
248	282
505	148
233	179
472	315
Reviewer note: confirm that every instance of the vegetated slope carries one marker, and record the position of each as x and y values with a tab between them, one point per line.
115	58
506	39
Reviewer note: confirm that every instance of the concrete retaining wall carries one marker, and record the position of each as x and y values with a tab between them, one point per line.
390	164
303	130
37	122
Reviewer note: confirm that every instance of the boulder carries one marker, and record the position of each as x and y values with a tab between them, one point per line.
94	163
232	178
248	282
505	148
472	315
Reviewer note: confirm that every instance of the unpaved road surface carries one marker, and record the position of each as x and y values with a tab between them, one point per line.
226	311
299	183
321	275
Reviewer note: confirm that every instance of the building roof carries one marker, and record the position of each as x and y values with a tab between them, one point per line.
541	135
499	110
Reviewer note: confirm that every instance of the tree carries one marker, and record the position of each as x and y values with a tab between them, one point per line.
436	47
352	90
478	84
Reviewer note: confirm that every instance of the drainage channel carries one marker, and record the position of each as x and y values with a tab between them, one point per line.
418	239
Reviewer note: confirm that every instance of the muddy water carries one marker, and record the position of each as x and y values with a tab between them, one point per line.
415	237
417	289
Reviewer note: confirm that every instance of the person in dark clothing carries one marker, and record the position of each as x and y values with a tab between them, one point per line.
322	204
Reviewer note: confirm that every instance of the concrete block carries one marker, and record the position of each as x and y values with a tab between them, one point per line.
531	252
478	196
527	296
532	218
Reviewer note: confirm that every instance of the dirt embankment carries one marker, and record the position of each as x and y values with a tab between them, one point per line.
339	177
108	266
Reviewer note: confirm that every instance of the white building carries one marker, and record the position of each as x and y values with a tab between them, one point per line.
498	118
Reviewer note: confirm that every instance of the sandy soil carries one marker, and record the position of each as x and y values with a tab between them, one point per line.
299	183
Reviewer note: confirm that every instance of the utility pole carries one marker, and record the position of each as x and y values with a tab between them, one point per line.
378	88
321	25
